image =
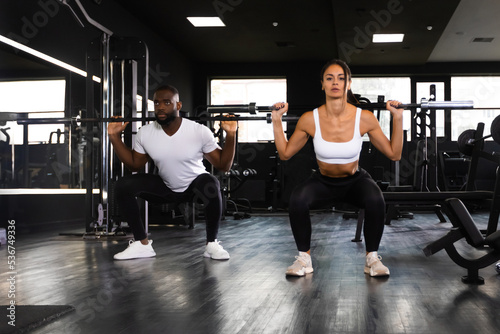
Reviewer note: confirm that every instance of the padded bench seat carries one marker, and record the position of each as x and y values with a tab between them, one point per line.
493	240
395	200
434	197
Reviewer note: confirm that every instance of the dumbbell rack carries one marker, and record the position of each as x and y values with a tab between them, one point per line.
225	181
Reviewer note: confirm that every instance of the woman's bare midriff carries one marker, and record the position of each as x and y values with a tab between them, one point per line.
332	170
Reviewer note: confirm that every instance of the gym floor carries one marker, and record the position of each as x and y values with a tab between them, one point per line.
179	291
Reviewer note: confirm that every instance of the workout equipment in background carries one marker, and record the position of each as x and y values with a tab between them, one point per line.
475	148
231	181
464	227
6	175
468	138
406	199
471	143
55	171
122	64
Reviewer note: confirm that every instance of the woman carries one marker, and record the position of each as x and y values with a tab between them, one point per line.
337	128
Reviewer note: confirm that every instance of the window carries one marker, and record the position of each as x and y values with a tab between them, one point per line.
484	92
392	88
264	92
39	98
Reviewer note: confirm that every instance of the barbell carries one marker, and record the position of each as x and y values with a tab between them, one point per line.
467	139
77	120
247	108
253	109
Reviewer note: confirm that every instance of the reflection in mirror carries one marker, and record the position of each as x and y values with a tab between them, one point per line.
34	85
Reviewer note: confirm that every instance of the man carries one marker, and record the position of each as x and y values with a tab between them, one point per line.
177	146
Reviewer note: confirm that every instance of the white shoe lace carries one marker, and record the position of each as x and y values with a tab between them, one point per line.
372	259
216	246
132	242
299	261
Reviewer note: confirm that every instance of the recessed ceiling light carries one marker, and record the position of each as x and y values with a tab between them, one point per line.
203	21
388	38
482	40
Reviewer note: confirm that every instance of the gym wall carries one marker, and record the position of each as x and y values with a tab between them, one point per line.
49	27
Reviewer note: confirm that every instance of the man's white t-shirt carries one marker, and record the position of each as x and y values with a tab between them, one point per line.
179	157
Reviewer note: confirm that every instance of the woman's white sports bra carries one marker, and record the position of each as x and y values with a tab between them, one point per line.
337	153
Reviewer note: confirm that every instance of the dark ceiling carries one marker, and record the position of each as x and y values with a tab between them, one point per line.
306	30
259	31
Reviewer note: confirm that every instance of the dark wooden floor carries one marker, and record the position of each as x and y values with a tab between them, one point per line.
179	291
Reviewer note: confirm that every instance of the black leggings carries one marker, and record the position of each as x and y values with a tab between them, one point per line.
359	190
205	189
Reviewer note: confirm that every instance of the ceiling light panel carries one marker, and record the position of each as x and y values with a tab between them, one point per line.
388	38
204	21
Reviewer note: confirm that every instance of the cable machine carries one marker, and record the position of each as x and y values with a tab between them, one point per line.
114	66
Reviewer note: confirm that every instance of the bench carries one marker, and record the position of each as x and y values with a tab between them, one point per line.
395	200
464	227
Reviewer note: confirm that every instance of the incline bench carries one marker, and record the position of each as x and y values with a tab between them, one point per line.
464	227
395	199
431	198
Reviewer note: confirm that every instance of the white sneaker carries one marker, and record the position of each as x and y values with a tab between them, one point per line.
301	266
136	250
374	266
215	251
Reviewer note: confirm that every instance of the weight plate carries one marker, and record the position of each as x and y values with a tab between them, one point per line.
495	129
463	142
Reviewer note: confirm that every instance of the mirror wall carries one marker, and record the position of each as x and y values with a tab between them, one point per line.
39	156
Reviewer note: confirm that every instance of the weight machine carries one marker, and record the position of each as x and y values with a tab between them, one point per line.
114	66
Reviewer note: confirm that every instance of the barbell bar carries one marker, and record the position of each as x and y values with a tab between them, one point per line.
252	108
236	108
467	139
76	120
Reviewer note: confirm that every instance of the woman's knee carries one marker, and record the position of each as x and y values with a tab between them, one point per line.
299	199
375	205
370	193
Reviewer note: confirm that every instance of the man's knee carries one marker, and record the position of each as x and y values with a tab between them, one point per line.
207	188
124	184
210	180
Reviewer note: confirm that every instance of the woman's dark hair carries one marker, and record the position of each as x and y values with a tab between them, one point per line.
347	73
